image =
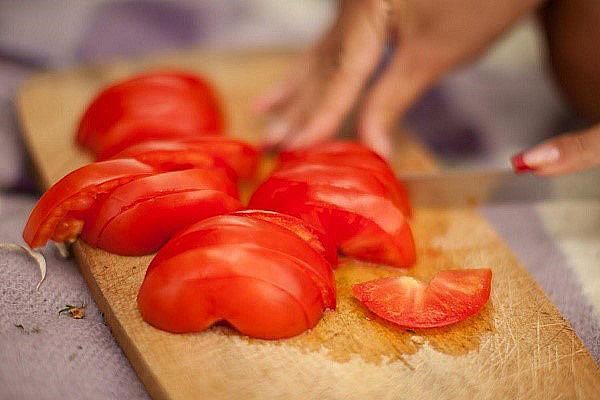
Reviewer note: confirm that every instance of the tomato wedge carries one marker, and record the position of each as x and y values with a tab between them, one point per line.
237	157
314	237
260	292
168	100
365	226
140	216
241	228
59	214
450	297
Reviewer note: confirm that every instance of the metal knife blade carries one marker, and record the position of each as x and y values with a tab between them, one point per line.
477	187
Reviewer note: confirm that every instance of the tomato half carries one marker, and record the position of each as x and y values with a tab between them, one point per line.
140	216
239	157
59	214
239	228
450	297
260	292
364	226
166	100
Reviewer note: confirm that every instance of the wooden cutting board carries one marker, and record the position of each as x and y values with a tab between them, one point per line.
519	346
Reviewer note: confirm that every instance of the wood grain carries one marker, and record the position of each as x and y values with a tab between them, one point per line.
518	347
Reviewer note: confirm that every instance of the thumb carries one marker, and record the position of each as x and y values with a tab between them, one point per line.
564	154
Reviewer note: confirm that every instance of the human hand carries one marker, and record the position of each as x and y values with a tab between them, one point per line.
563	154
428	39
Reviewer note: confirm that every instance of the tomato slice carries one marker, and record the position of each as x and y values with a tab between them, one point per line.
260	292
364	226
238	156
450	297
330	149
163	99
315	237
338	176
361	163
59	213
239	229
140	216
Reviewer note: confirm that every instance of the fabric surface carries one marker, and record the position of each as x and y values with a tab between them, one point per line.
481	115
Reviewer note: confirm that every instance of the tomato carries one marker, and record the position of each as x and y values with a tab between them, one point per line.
362	225
242	228
237	157
140	216
59	213
450	297
314	237
166	101
260	292
352	157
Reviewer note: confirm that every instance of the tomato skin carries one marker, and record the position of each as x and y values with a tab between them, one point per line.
59	213
261	293
239	157
364	226
163	98
313	236
138	217
239	228
450	297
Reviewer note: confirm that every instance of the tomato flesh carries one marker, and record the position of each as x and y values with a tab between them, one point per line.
450	297
138	217
260	292
59	213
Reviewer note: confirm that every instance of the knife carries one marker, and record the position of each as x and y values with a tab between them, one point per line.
461	188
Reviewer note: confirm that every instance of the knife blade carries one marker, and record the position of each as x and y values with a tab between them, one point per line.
463	188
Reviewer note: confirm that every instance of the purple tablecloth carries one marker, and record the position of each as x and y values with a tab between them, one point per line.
473	115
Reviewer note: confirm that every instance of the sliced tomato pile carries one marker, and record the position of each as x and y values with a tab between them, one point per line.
260	277
364	211
156	105
137	218
450	297
59	214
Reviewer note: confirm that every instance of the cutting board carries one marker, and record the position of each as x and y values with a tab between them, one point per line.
519	346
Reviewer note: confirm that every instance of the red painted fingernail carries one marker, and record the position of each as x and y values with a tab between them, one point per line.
519	165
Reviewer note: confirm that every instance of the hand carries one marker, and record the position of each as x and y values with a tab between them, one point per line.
428	39
564	154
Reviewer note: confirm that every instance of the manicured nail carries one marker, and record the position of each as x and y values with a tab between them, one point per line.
542	155
519	165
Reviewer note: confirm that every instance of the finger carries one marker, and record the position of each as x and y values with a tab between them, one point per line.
337	98
396	89
285	122
561	155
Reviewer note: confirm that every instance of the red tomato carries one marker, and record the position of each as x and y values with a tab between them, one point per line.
239	229
140	216
450	297
164	100
59	213
364	226
316	238
238	156
351	156
260	292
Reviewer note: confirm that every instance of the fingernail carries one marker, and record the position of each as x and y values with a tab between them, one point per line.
519	165
541	155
